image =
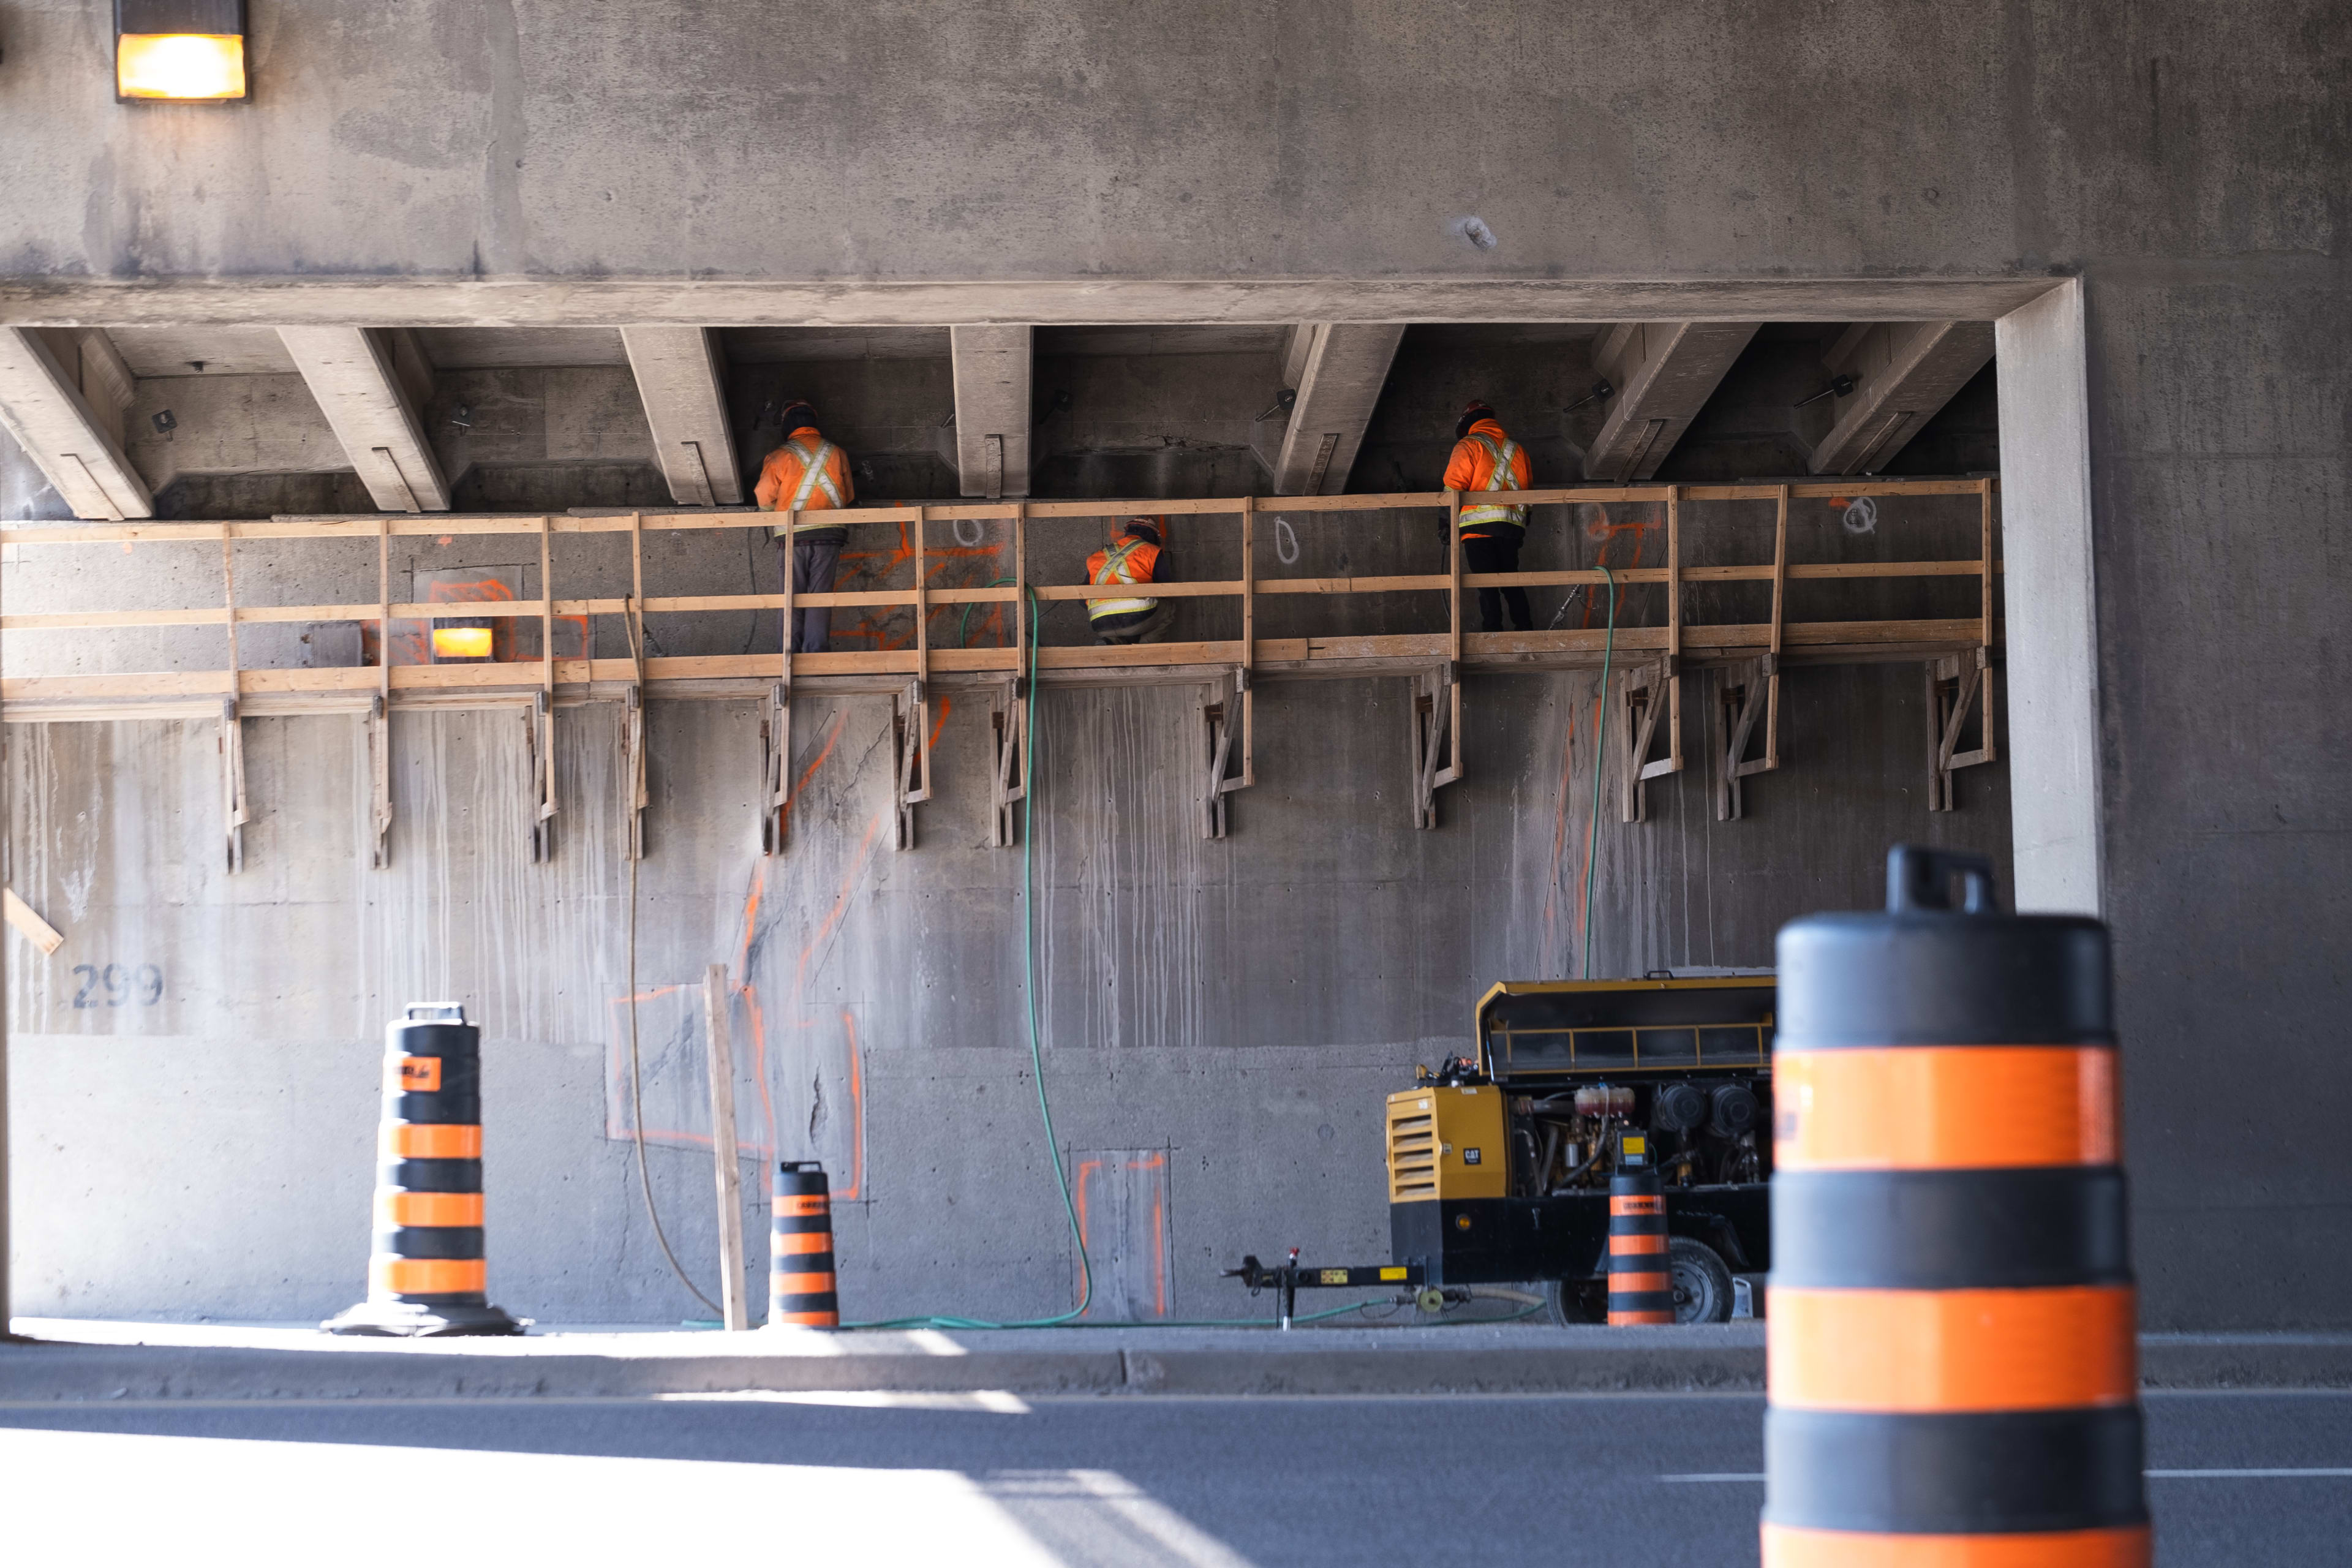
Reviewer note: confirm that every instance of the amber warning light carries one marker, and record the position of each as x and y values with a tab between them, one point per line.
461	642
182	51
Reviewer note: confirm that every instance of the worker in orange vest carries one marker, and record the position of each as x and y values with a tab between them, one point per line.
807	474
1131	560
1485	459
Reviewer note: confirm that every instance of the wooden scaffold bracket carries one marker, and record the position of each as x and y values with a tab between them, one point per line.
910	735
1436	718
234	805
234	812
542	713
379	723
539	730
1744	693
1649	694
1226	712
1008	719
1955	684
379	736
776	769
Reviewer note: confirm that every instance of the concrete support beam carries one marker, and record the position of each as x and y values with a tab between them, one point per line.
1342	369
43	405
682	384
2051	600
1664	373
365	382
1903	372
992	408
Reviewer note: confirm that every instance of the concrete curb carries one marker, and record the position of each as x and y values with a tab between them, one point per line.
1060	1364
1551	1361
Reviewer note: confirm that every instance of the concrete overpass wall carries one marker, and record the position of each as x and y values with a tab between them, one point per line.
452	164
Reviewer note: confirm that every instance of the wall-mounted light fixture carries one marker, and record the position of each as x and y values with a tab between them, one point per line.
179	51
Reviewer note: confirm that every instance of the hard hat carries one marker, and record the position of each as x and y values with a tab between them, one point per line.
804	409
1478	409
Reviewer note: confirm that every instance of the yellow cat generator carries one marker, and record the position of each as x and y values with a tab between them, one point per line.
1498	1166
1498	1163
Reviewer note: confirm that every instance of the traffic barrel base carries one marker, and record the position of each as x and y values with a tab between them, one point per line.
800	1250
426	1273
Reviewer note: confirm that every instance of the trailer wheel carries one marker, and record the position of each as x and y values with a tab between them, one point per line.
1568	1302
1702	1284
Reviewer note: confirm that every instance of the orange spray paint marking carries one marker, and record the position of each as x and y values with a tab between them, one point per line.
947	705
831	735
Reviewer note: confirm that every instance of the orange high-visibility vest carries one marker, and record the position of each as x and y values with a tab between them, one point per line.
1128	561
807	473
1486	459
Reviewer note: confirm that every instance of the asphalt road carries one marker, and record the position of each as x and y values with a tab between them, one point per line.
2247	1479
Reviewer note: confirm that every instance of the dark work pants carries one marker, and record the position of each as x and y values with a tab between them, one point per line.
815	562
1142	625
1497	552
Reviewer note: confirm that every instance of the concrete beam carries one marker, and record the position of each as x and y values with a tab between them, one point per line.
1903	372
1664	373
992	408
42	402
364	382
576	301
683	387
2051	599
1342	370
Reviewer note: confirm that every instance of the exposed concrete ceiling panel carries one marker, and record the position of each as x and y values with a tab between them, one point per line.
785	345
1345	367
230	424
991	409
1903	372
1246	339
42	404
506	348
683	388
354	375
1664	373
221	350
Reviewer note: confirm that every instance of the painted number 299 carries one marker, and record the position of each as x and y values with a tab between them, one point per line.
116	985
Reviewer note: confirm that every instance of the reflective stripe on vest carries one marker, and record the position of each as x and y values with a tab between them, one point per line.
1115	568
814	476
1499	478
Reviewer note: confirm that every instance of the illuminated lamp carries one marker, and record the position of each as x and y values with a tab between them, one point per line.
463	643
179	51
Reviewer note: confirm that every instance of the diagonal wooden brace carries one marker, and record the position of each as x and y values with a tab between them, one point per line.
910	731
379	733
1223	715
1744	693
1008	721
1436	734
540	722
234	812
776	770
1955	684
1649	693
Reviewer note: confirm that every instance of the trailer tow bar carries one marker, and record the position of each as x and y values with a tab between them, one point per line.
1287	1279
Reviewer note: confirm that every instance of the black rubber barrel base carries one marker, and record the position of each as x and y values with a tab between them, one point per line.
413	1320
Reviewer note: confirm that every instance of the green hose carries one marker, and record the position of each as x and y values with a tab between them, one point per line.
1600	741
1036	1050
1037	1067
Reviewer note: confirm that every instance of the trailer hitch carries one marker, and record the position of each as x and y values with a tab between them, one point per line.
1288	1277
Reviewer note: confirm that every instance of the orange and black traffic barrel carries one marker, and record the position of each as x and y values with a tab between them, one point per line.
1641	1287
800	1250
1951	1342
426	1272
